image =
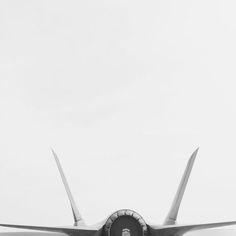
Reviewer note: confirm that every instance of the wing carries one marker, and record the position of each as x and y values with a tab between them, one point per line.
172	215
69	231
182	229
29	234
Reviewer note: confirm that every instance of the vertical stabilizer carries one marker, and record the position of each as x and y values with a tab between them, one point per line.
172	215
77	217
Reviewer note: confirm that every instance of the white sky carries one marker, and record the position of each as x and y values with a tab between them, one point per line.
124	91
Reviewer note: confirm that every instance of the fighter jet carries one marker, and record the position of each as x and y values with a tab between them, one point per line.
124	222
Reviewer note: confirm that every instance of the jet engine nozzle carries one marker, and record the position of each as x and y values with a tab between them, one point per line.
125	223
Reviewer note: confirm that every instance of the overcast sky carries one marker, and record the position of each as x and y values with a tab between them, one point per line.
124	91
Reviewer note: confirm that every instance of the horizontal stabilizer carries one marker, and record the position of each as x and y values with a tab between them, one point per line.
69	231
30	234
182	229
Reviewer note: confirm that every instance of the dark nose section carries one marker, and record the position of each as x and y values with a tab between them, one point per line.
125	223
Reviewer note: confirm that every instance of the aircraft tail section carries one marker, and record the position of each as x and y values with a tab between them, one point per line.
77	216
172	215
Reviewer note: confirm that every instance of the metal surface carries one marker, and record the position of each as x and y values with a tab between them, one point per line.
124	222
76	214
172	215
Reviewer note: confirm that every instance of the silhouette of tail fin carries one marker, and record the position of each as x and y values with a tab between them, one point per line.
172	215
77	217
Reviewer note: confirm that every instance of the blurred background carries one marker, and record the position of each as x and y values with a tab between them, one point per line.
124	91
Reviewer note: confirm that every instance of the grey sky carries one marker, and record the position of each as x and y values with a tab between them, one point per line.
124	91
